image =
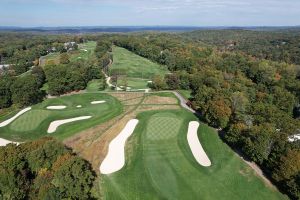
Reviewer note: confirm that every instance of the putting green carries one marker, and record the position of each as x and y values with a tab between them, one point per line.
30	121
163	126
166	169
34	124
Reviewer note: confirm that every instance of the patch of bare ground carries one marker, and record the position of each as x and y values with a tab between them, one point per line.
134	101
153	99
144	108
124	96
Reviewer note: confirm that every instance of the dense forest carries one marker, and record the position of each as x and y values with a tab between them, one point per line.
278	45
43	169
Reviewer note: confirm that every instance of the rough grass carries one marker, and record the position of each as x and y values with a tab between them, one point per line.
134	65
138	83
166	168
94	85
34	124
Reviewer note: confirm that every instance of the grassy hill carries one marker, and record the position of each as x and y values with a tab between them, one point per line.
160	165
139	70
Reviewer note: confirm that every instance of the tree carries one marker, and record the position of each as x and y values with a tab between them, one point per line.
74	179
64	58
25	91
289	165
258	142
39	73
5	92
158	83
218	113
43	169
172	81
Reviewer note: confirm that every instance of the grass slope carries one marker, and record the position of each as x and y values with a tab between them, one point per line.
164	168
139	70
34	123
79	54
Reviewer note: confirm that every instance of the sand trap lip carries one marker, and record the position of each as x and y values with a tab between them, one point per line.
55	124
6	122
4	142
56	107
97	102
196	146
115	158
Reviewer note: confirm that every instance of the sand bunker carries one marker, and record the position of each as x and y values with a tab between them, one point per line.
55	124
97	102
56	107
115	158
79	106
6	122
196	146
4	142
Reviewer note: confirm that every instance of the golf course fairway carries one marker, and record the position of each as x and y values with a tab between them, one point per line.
160	165
34	123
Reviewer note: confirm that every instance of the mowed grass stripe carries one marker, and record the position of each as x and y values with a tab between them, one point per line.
30	120
163	127
135	65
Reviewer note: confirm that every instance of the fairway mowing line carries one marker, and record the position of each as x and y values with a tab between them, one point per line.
56	107
97	102
55	124
4	142
115	158
196	146
6	122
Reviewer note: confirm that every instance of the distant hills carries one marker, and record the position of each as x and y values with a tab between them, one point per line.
126	29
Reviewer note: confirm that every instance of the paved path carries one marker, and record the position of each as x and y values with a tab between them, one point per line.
183	101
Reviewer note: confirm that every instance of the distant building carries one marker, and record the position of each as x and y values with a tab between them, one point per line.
69	46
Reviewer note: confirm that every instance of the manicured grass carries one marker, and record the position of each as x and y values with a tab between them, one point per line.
34	124
165	168
138	83
94	85
163	126
81	54
136	66
30	121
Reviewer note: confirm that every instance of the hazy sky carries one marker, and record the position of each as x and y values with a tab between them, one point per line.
149	12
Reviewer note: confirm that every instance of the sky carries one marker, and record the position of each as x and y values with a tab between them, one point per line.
32	13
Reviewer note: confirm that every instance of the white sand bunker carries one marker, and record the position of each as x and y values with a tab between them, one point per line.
6	122
79	106
4	142
55	124
196	146
115	158
97	102
56	107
